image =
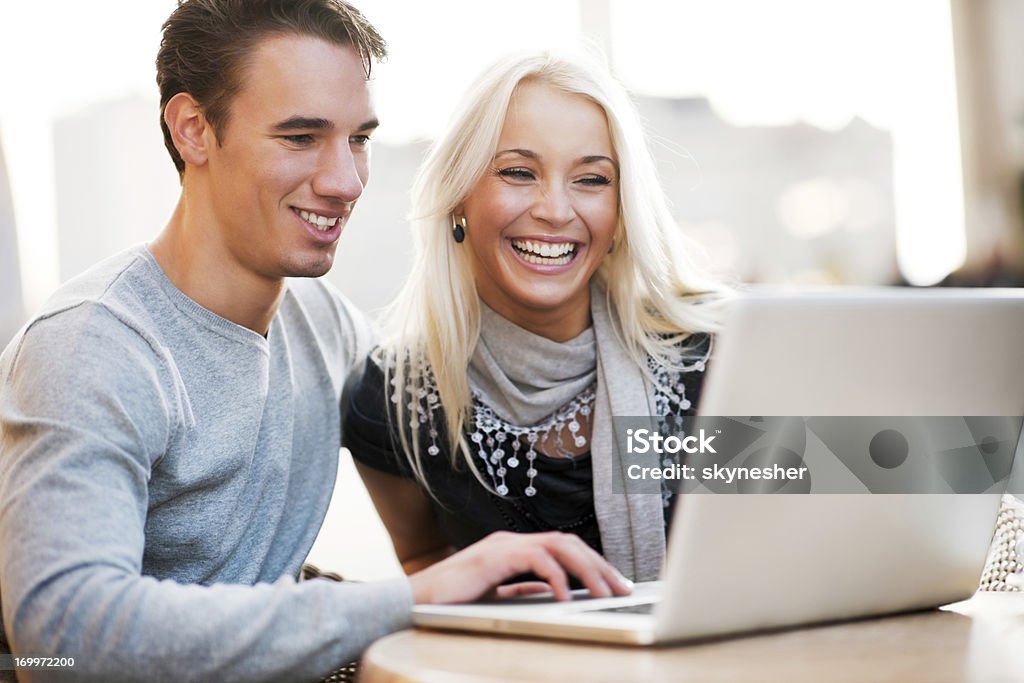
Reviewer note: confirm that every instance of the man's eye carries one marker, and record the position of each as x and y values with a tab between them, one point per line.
360	140
303	139
517	172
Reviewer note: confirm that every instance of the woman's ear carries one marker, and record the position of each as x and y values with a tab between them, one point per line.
188	127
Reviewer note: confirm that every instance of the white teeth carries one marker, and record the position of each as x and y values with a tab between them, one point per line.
547	261
322	222
545	252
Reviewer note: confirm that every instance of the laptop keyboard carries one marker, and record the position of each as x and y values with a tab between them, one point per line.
644	608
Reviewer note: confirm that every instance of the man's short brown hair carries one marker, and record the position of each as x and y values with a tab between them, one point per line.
207	43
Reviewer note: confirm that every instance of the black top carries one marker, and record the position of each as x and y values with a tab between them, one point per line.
467	512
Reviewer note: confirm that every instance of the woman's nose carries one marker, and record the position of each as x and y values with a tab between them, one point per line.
554	205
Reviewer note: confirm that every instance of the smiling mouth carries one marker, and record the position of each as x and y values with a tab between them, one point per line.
545	253
321	223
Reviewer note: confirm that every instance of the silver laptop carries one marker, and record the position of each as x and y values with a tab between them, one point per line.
742	563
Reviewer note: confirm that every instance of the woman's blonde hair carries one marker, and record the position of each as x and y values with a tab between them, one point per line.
657	294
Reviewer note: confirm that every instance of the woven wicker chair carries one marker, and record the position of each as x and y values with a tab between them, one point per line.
349	672
1004	569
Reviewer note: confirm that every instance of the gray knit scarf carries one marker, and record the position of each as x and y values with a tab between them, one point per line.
524	378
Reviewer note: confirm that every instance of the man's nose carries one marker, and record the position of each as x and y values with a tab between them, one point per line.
338	175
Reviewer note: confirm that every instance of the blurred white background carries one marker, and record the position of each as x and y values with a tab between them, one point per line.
801	141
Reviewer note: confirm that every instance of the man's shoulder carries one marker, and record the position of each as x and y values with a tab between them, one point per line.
103	281
83	356
320	294
100	312
330	316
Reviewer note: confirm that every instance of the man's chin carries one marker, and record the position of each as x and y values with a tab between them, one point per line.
311	268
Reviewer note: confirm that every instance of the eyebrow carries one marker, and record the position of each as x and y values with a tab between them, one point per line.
314	123
521	152
530	154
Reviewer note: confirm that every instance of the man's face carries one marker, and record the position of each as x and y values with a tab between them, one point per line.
292	159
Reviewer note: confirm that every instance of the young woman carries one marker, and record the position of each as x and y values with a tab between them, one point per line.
550	291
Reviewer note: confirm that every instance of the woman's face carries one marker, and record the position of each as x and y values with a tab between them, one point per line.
542	217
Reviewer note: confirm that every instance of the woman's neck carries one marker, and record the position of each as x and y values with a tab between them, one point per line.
557	325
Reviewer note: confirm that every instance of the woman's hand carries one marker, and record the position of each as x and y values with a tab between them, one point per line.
478	571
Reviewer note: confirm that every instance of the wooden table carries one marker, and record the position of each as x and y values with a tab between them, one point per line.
983	641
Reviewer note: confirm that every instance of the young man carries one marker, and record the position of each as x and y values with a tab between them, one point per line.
169	422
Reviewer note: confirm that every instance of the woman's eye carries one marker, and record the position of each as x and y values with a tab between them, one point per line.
595	180
517	173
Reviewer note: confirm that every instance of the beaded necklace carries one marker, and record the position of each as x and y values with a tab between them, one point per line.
500	444
493	433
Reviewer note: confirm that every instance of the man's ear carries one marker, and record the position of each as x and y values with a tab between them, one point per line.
189	128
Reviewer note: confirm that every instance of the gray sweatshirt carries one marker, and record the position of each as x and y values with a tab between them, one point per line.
163	474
